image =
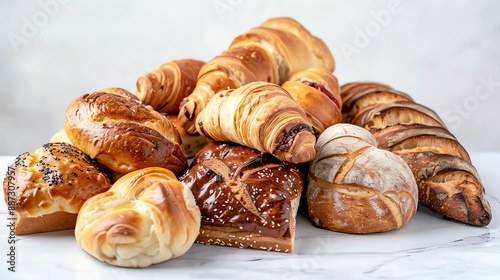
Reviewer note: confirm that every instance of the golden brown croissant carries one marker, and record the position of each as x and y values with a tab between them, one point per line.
448	182
269	53
123	134
147	217
354	187
262	116
165	87
317	91
46	188
247	198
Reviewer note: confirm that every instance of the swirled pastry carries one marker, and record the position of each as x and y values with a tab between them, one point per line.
146	217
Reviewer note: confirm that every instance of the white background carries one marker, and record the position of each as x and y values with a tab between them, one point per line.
440	52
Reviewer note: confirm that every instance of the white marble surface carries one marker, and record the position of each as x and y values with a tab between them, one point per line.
440	52
428	247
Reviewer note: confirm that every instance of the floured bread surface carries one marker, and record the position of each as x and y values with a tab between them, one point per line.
355	187
146	217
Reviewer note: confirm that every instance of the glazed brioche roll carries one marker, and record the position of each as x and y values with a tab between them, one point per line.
123	134
354	187
165	87
48	187
269	53
317	91
261	116
248	199
146	217
448	183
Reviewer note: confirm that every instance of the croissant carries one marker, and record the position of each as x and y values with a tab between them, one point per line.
269	53
123	134
146	217
317	91
165	87
262	116
354	187
448	183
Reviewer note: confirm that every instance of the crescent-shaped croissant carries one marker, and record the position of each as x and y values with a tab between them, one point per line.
317	91
165	87
262	116
269	53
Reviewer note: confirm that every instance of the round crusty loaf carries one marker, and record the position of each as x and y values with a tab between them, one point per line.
147	217
50	185
123	134
355	187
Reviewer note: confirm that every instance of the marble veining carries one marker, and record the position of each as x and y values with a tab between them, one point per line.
428	247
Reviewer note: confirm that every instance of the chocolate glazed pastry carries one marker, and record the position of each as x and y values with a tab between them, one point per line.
448	183
247	198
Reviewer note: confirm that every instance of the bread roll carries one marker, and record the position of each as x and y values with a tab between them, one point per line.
248	199
123	134
354	187
146	217
47	187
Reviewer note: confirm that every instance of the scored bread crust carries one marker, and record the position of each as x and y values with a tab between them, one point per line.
354	187
247	198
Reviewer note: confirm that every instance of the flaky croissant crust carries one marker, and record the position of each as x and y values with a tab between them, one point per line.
262	116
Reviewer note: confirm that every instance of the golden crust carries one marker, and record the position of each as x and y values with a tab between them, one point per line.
262	116
355	187
147	217
269	53
56	178
317	91
123	133
165	87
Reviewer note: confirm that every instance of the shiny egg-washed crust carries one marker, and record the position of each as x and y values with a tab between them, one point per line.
269	53
164	88
449	185
50	185
123	134
147	217
120	92
262	116
317	91
248	199
354	187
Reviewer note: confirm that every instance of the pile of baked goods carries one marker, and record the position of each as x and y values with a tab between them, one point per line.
267	124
